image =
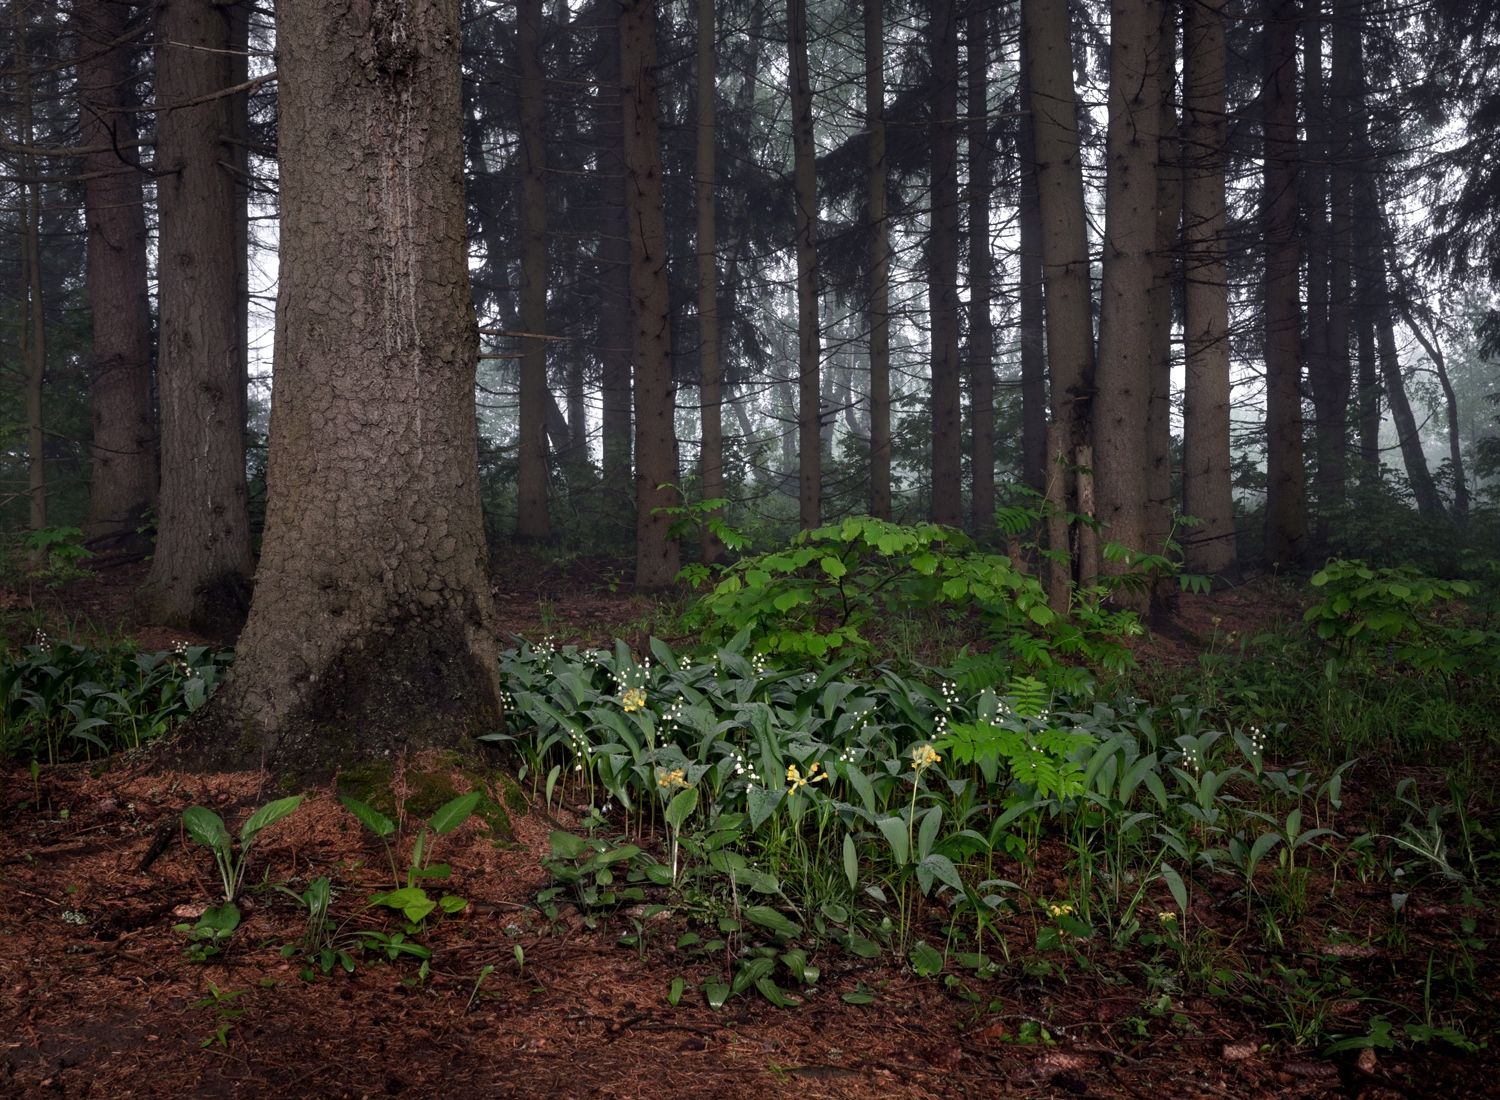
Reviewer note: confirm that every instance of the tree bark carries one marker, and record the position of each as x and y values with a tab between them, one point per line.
710	373
1164	280
981	281
1313	195
1033	349
1450	404
1332	395
614	333
122	485
372	627
33	324
1286	493
880	264
656	554
1122	405
532	520
200	574
1210	546
1065	253
809	350
942	269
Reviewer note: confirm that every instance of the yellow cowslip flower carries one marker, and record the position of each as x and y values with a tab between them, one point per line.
633	700
1166	916
923	757
1059	910
796	780
670	780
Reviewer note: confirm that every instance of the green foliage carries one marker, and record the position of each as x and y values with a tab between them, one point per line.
55	555
820	596
207	828
60	701
411	900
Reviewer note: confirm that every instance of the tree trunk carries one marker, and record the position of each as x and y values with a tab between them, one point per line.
122	486
1286	493
33	325
981	280
200	574
1206	487
710	374
656	554
942	269
809	351
1122	404
1322	381
880	264
372	627
1065	253
532	520
1450	403
1338	369
614	333
1164	279
1033	349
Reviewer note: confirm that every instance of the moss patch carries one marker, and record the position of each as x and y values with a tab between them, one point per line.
436	780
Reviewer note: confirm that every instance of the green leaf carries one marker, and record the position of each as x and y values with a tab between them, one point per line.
834	566
894	831
716	993
411	901
851	862
219	920
206	827
451	815
861	947
566	845
452	903
268	814
681	807
772	992
927	830
767	917
858	998
762	803
675	992
1177	886
925	960
940	867
370	817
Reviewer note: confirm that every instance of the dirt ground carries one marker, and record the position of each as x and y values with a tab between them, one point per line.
98	998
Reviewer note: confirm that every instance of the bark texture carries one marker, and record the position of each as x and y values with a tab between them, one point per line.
656	554
942	269
1206	487
122	485
1286	492
532	520
710	374
1033	343
372	626
981	280
200	574
809	341
880	264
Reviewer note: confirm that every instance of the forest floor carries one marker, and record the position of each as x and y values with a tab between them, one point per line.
98	998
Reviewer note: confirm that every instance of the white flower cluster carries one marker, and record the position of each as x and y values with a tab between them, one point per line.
950	695
742	767
1257	739
40	639
758	664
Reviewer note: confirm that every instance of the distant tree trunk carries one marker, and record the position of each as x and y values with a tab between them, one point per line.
942	268
981	280
1368	399
809	351
200	574
880	264
710	373
1286	493
1210	546
532	520
1332	396
1065	253
1164	279
614	278
122	487
238	163
656	553
1313	198
1122	406
372	627
1033	349
1366	286
33	325
1450	403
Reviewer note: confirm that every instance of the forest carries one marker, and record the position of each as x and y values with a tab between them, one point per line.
821	548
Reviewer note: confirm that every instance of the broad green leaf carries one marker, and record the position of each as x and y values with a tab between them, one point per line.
268	814
451	815
772	919
206	827
925	960
681	807
762	803
894	831
851	862
927	830
566	845
368	816
858	998
716	993
1177	886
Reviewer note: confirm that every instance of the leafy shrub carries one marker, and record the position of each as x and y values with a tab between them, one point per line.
60	701
820	595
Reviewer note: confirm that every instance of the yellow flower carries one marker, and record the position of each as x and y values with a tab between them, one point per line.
669	780
1166	916
1059	910
924	757
633	700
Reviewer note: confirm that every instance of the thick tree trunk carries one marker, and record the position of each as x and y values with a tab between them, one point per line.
710	374
1164	280
1286	493
809	349
656	554
1210	546
880	264
1332	396
981	280
942	269
1033	347
122	486
372	627
33	325
1122	405
614	333
200	574
532	520
1313	193
1065	253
